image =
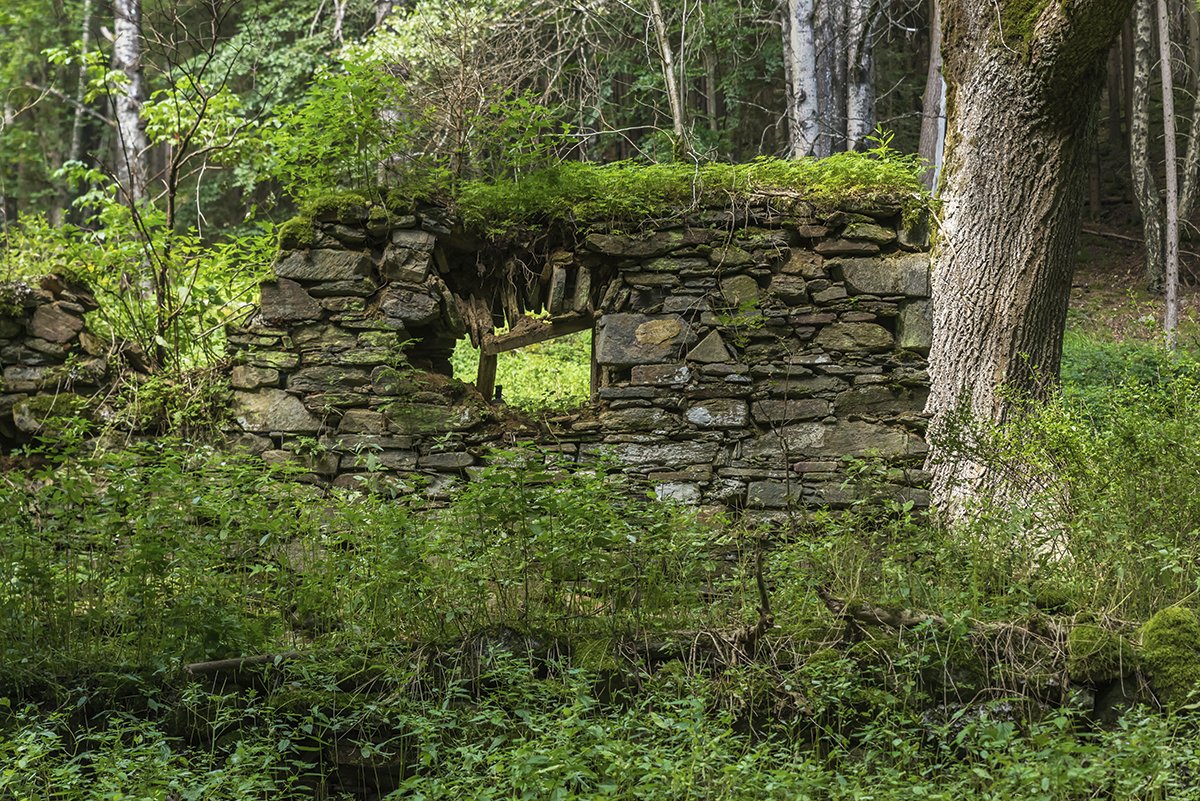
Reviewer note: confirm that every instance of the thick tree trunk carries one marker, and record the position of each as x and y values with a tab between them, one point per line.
1171	271
800	62
132	147
829	23
933	111
1145	190
1023	89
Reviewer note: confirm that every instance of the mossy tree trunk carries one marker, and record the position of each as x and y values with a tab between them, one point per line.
1023	82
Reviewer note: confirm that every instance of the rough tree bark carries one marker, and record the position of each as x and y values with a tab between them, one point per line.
132	147
1145	190
933	111
829	23
1023	83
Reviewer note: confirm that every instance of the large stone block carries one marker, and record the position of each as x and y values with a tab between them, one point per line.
285	301
790	409
54	324
880	399
328	377
854	337
323	265
773	494
639	419
412	307
629	339
273	410
428	418
906	274
675	455
861	438
644	246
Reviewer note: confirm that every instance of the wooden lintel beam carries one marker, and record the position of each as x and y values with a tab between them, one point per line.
555	327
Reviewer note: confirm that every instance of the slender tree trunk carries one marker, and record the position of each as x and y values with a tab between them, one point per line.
85	37
1191	160
8	205
860	68
933	111
132	147
1023	92
800	61
674	99
1170	319
339	20
1116	136
1145	190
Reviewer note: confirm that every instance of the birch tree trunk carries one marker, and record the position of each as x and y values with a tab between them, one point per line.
1023	87
132	147
1171	272
933	107
1145	190
800	62
860	72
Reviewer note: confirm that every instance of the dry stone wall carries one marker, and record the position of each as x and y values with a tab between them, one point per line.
743	356
51	364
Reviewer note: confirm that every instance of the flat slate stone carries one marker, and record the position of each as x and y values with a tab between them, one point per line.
323	265
644	246
629	339
719	413
854	337
791	409
286	301
906	274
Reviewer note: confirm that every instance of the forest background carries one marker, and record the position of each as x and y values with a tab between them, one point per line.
569	639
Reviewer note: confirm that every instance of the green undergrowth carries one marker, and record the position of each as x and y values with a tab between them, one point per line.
549	376
555	632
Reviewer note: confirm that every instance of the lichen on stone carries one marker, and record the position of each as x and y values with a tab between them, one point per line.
1170	656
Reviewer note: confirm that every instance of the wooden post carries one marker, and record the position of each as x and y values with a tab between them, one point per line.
485	380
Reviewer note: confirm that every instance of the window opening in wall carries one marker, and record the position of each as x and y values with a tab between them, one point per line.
542	365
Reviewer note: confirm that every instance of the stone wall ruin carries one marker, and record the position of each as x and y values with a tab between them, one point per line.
743	355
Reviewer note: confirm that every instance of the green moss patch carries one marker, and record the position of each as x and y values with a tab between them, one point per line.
1171	654
624	191
1096	655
